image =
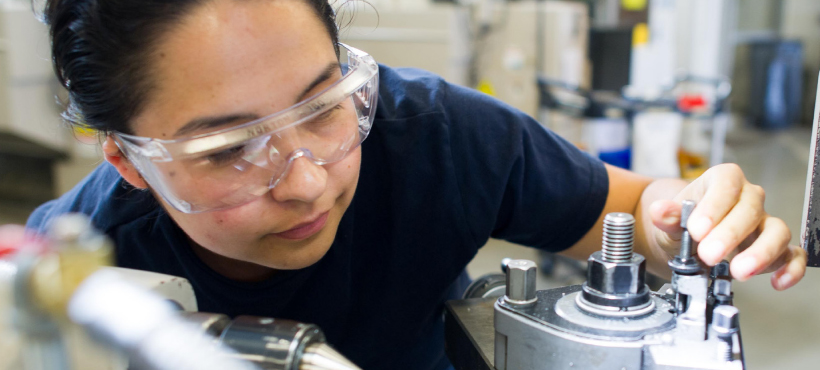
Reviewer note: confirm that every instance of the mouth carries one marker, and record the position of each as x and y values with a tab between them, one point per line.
304	230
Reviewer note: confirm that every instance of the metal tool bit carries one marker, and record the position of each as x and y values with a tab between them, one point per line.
685	262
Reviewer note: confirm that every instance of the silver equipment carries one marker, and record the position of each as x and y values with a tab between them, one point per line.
612	321
272	344
68	285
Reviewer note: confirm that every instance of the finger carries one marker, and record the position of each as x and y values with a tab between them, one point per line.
772	242
744	218
665	216
792	271
724	186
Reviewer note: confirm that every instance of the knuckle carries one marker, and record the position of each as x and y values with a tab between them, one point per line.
783	231
759	191
731	235
798	253
755	213
732	169
779	224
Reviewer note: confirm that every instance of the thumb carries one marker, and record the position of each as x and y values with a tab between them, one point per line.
665	215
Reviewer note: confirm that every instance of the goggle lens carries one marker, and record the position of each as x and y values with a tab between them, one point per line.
239	171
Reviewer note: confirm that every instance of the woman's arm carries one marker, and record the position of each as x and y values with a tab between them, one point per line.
728	220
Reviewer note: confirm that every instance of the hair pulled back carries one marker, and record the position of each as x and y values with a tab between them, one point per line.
101	48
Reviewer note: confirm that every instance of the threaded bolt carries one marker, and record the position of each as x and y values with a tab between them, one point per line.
619	230
725	323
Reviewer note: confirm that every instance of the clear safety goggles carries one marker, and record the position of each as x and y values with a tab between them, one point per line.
238	164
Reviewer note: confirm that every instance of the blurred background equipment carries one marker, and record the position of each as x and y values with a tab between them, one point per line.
777	86
54	291
31	138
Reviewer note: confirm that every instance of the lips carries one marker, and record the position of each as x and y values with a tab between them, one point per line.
305	230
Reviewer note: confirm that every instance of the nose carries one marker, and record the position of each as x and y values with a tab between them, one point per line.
304	181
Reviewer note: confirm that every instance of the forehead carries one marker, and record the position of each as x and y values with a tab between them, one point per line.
229	57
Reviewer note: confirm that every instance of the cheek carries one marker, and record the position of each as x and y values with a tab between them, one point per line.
345	173
223	232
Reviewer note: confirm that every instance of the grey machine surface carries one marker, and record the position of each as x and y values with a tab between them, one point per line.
612	321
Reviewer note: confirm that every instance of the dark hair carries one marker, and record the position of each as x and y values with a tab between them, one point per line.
100	48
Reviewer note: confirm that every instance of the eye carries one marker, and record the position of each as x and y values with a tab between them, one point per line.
226	156
328	114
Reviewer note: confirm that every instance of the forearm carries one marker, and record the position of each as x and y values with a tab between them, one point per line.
634	194
646	234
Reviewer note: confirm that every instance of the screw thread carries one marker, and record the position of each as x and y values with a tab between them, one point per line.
619	230
725	350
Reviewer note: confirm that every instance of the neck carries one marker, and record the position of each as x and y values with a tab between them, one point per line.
231	268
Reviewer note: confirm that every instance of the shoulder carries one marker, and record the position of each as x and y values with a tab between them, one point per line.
409	92
103	196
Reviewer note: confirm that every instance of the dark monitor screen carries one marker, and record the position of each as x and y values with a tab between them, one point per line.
610	51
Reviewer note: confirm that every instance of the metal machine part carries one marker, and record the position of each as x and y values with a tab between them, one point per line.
65	284
685	262
276	344
489	285
145	326
615	275
810	230
521	283
44	282
562	329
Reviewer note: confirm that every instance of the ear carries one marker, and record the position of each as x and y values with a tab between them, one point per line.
113	155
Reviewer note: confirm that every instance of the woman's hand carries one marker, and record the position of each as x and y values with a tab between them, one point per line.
729	221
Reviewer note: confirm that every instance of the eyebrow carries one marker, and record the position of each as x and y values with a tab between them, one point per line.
326	74
217	121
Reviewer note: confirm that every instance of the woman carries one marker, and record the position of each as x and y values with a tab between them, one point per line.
241	121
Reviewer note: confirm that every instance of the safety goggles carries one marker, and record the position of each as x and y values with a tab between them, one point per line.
233	166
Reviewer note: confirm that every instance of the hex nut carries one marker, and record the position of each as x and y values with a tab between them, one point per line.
616	278
521	276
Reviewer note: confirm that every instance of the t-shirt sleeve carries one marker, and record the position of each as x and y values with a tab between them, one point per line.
102	196
519	181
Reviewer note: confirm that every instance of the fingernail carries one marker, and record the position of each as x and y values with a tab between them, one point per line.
671	220
711	251
784	281
699	226
743	267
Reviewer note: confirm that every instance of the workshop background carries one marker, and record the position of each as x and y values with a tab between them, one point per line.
664	87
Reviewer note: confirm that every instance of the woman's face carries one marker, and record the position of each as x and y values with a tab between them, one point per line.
251	59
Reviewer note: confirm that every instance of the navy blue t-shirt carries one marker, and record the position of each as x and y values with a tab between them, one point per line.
444	169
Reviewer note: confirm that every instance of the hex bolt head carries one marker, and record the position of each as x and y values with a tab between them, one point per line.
725	323
722	291
721	270
504	262
521	282
725	320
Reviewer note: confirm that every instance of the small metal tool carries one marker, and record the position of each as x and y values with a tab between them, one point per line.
685	262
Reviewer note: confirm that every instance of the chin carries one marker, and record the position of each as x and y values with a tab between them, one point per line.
300	254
